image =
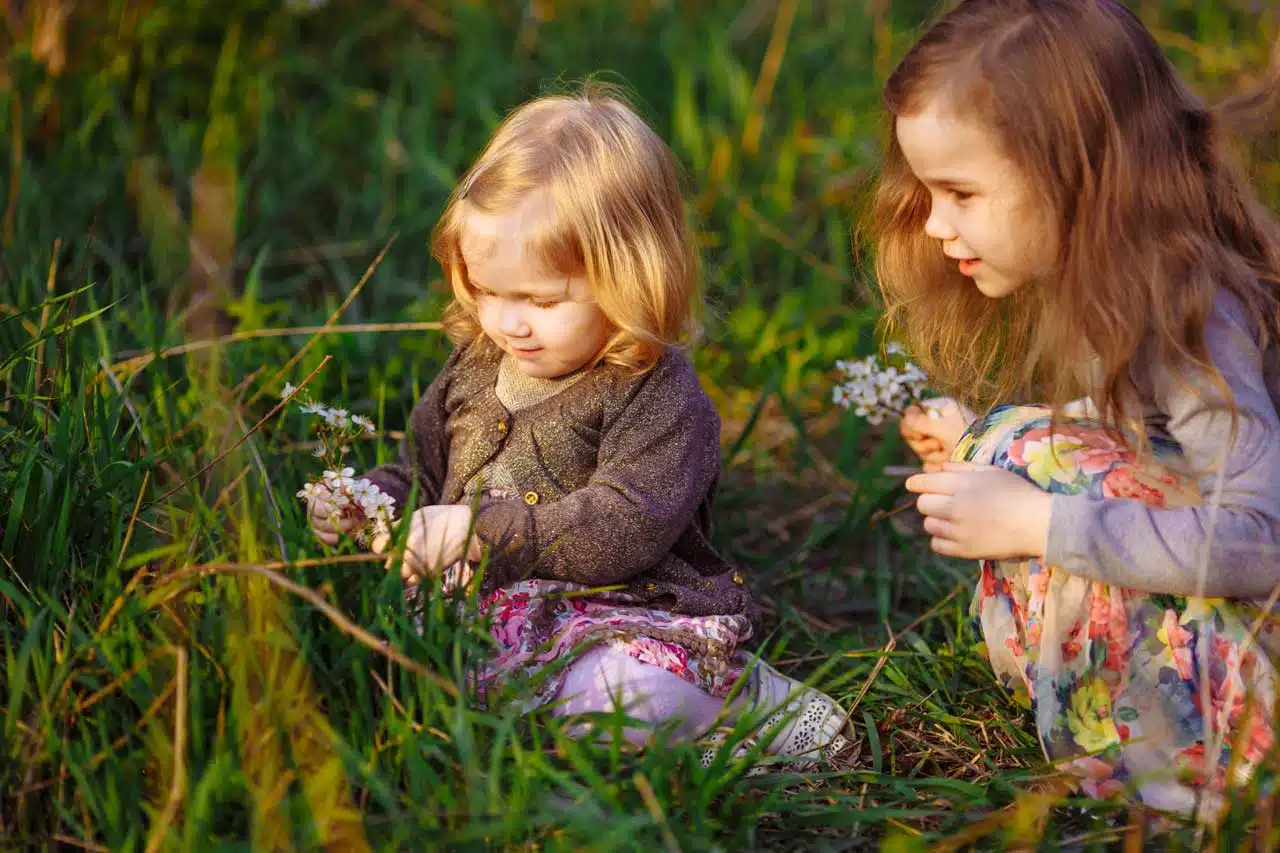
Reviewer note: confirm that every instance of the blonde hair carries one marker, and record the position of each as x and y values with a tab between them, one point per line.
617	217
1153	218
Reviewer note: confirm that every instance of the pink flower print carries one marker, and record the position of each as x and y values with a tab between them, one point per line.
1065	453
992	585
1072	646
1176	640
1033	632
507	628
1117	639
1099	611
1190	765
669	656
1128	483
1262	737
988	581
1014	644
1097	777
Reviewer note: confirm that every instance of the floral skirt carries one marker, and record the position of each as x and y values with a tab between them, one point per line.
537	624
1169	696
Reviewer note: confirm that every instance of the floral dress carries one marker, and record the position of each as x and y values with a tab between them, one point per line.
1169	696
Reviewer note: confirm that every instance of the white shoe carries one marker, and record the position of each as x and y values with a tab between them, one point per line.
807	730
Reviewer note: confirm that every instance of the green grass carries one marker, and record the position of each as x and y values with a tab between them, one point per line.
156	693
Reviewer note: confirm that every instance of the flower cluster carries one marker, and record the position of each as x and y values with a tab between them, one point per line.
337	429
360	500
879	392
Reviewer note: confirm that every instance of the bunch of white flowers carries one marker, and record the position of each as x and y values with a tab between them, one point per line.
879	392
361	498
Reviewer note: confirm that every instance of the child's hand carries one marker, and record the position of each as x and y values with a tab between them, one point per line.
982	512
330	522
932	433
437	539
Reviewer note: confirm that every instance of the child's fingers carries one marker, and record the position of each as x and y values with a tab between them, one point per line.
967	466
941	483
934	506
411	561
939	528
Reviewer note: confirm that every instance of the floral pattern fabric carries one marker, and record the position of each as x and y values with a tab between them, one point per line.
1171	697
537	623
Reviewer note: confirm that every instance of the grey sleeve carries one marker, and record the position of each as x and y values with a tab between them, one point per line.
1234	538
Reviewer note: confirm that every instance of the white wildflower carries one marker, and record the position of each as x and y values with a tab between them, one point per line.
877	392
338	483
289	391
311	491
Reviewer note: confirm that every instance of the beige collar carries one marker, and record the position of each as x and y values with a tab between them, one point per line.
516	391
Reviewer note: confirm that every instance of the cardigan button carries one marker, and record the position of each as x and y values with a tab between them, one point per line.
502	426
531	498
737	578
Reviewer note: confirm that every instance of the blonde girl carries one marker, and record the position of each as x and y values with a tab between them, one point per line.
568	432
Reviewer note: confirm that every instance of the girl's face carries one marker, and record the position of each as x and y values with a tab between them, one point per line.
548	322
983	210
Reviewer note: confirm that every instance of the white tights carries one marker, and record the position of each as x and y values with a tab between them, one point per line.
605	680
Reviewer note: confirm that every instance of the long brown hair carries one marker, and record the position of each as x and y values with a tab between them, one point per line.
617	216
1152	215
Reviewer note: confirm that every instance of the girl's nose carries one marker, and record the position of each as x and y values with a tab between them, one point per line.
937	227
513	322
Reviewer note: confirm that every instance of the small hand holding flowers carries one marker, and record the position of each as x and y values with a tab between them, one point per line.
971	511
339	504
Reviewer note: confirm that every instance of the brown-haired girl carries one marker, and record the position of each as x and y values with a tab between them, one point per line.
567	445
1058	217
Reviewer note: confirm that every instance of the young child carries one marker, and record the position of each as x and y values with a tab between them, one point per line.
1058	217
570	418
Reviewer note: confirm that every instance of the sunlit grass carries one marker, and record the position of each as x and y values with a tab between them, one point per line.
185	669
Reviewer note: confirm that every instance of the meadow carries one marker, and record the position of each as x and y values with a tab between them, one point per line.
204	200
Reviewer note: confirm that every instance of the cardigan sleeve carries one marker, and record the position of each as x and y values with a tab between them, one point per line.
423	458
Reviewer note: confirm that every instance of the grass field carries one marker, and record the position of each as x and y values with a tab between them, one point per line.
183	668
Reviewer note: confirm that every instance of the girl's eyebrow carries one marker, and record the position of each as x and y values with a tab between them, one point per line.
540	289
949	183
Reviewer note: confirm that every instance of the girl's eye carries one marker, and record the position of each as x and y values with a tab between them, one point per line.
537	304
961	195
